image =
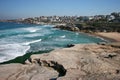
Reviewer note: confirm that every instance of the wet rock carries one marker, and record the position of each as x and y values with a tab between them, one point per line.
70	45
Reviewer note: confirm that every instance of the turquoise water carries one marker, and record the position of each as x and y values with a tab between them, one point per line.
19	39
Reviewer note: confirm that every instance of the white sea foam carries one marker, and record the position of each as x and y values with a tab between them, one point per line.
62	39
33	35
10	51
62	36
27	43
16	42
47	25
32	29
102	39
77	33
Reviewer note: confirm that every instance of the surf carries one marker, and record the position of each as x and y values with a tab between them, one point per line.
18	39
30	42
10	51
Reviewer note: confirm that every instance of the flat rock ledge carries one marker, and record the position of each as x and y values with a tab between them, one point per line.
81	62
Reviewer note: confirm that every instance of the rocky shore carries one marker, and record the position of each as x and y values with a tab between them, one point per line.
66	27
80	62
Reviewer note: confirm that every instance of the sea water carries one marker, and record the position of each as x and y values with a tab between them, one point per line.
17	39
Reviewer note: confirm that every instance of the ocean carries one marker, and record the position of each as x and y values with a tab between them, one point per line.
17	39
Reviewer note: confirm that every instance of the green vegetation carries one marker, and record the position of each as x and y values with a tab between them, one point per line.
22	59
99	26
108	27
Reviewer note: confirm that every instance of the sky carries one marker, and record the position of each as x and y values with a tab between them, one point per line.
12	9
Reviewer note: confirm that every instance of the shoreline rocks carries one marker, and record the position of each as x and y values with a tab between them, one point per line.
69	28
80	62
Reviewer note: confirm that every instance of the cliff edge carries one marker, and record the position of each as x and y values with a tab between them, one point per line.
81	62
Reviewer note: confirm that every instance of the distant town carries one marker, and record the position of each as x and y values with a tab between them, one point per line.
113	17
99	23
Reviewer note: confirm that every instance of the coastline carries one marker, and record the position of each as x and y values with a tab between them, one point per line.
111	36
82	61
107	36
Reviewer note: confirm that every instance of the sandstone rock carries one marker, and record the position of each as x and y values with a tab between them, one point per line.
80	62
8	70
26	72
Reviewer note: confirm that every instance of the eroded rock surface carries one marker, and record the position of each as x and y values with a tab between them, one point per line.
26	72
81	62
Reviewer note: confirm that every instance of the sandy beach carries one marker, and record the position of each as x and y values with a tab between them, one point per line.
110	36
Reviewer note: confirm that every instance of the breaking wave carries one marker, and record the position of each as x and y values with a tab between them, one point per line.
27	43
11	51
32	29
17	39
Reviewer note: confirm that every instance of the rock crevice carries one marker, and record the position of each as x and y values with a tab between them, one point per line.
52	64
80	62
